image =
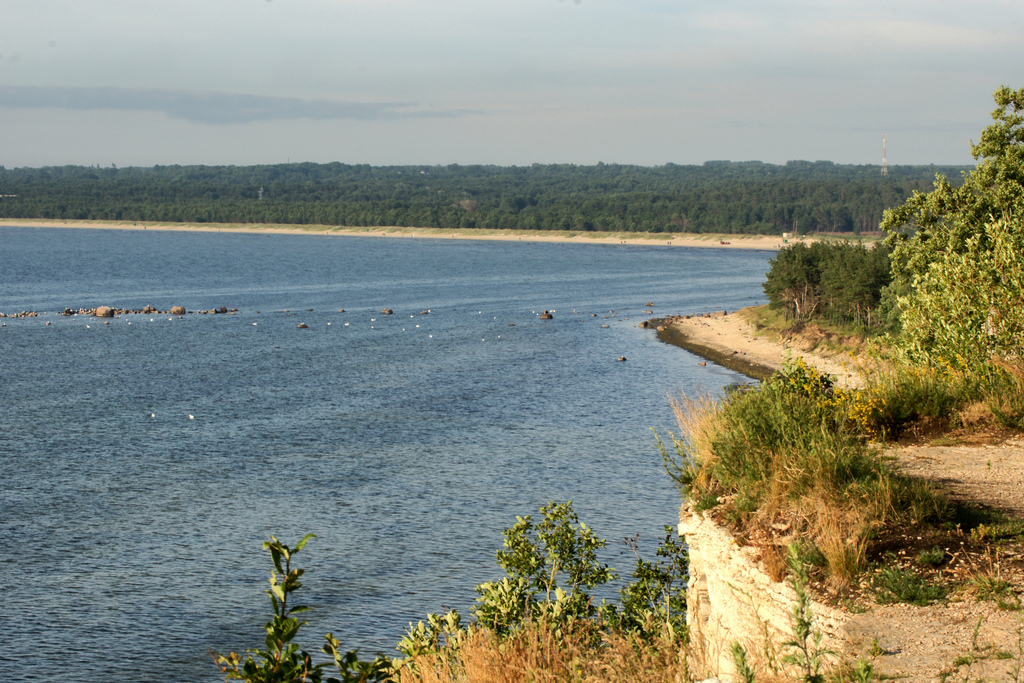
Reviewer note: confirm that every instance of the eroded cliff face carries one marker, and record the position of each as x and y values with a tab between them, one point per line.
732	599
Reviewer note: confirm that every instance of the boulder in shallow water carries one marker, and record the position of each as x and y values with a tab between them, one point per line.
104	312
177	310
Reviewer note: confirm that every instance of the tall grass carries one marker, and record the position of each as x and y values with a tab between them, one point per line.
538	653
902	397
789	455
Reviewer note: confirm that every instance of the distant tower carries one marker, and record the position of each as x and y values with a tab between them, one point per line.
885	163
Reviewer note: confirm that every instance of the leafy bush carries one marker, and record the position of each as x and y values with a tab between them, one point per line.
958	253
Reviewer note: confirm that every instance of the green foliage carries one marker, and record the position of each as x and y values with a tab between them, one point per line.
835	281
805	647
894	584
796	447
553	562
959	253
717	197
932	558
996	589
283	660
788	437
744	670
551	565
654	604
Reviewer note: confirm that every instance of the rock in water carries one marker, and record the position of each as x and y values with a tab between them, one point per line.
177	310
104	312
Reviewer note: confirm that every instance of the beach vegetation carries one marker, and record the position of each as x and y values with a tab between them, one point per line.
895	584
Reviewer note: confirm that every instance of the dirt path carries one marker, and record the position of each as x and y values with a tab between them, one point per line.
992	475
966	639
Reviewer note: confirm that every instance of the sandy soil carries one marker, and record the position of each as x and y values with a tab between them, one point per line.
666	239
732	336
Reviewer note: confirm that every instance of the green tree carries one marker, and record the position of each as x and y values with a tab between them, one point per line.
959	253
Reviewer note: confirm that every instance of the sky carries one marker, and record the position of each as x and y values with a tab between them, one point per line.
507	82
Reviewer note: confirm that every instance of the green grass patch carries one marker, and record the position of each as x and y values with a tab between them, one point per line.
894	584
935	557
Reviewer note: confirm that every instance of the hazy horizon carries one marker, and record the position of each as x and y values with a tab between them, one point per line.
400	82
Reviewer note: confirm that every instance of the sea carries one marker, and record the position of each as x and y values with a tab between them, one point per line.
145	461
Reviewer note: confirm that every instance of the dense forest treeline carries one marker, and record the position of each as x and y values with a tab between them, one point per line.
718	196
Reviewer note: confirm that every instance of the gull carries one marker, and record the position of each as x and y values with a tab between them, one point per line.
254	324
152	414
191	417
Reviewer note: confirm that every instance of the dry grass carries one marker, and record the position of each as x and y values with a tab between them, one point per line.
537	653
783	463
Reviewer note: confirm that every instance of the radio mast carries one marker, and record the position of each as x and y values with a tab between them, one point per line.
885	163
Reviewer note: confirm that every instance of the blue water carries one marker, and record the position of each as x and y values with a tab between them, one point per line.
145	461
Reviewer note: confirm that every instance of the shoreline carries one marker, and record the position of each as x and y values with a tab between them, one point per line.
730	341
702	240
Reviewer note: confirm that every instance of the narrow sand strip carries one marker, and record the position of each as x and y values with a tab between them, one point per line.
715	241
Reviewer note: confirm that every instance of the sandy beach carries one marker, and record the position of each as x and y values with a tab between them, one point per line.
731	341
716	241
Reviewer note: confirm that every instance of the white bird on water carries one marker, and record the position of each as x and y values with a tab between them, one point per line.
191	417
